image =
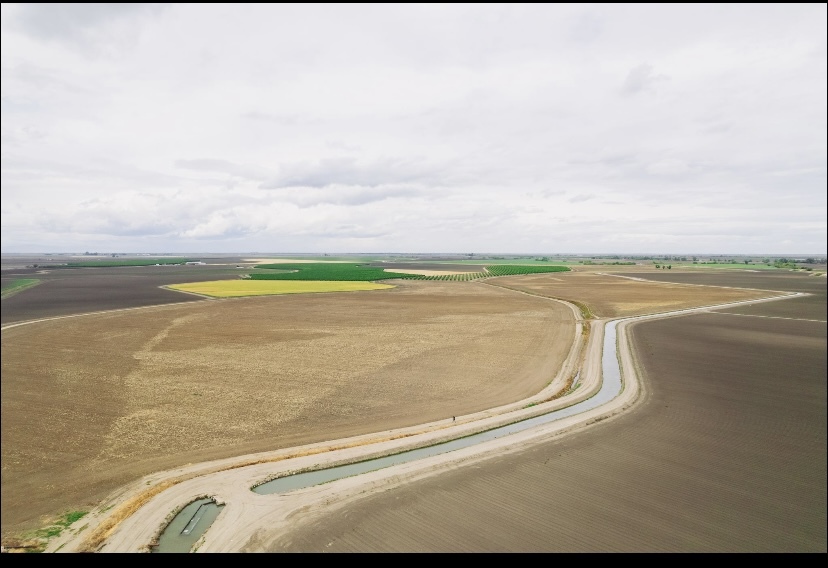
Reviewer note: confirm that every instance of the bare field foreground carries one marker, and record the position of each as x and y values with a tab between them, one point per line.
91	403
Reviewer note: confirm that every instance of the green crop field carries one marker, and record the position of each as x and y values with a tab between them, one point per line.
326	271
15	286
512	269
347	259
500	261
363	273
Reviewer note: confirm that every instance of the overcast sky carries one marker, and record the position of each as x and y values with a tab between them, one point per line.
429	128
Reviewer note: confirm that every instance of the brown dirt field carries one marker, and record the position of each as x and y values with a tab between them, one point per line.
764	280
809	307
726	453
91	403
613	296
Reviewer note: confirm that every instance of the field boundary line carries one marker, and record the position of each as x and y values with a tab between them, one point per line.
702	285
767	317
102	312
205	296
14	290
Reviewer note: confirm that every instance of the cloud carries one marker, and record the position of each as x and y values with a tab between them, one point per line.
81	25
640	79
581	198
668	167
345	195
346	171
350	231
223	166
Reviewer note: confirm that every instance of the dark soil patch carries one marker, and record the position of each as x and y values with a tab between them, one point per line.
810	307
783	280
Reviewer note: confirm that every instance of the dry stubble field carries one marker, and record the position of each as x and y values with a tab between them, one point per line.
93	402
727	452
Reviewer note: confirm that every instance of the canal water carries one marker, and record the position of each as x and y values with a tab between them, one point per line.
188	526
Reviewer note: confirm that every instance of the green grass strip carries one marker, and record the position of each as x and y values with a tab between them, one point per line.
16	286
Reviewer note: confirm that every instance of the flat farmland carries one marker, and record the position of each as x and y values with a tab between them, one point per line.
67	291
94	402
726	452
614	296
765	280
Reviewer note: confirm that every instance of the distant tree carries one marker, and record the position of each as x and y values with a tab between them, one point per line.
669	267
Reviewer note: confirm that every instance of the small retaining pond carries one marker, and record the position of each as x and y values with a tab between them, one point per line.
188	526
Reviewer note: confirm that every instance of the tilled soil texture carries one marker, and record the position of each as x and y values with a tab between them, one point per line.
91	403
615	296
762	280
813	306
67	291
726	453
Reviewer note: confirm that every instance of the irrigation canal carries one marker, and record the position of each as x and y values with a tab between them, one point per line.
194	520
